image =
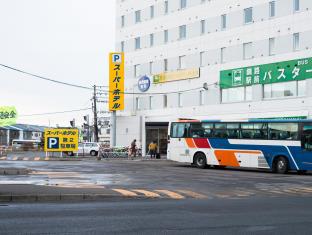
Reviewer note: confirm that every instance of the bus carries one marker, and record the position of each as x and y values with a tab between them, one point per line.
278	145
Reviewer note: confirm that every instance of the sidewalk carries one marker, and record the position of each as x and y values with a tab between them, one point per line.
35	193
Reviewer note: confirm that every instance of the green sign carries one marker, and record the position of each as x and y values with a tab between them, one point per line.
286	71
8	116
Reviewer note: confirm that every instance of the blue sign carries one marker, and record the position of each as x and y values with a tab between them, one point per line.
144	83
53	143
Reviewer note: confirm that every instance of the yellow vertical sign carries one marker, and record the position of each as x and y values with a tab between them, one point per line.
116	81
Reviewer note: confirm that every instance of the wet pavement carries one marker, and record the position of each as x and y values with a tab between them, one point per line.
157	177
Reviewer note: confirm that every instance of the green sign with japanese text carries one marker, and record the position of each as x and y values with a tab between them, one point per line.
8	115
285	71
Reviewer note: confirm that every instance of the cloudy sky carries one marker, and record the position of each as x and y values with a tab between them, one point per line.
66	40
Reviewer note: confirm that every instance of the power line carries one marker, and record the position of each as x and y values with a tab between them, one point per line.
46	79
162	93
60	112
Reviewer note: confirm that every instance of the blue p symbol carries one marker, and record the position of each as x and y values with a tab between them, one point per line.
53	143
116	58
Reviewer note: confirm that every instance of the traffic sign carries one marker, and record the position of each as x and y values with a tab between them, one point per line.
61	140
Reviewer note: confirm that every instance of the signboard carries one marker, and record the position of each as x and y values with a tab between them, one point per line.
285	71
116	81
8	115
144	83
176	75
61	140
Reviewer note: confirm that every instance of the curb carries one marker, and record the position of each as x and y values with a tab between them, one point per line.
62	197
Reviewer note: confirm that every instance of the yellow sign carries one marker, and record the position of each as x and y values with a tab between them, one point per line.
8	116
61	140
116	81
176	75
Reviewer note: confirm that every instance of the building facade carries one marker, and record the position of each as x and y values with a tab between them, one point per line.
212	59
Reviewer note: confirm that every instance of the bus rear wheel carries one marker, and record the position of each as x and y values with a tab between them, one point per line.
200	160
281	165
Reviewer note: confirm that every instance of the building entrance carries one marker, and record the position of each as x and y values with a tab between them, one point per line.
157	132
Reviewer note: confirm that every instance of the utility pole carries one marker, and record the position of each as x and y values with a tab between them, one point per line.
96	130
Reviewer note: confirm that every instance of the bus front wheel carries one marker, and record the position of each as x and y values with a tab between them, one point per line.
200	160
281	165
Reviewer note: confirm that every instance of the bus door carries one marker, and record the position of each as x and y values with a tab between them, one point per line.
178	147
306	144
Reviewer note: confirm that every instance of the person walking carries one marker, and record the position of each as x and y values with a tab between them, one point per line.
152	149
133	148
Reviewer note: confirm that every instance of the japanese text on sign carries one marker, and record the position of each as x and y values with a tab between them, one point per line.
285	71
116	81
61	140
8	116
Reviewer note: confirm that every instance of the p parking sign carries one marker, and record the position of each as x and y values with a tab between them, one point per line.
61	140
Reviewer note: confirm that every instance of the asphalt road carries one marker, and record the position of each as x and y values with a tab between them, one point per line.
289	215
159	175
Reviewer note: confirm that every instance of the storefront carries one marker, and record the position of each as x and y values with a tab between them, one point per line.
158	132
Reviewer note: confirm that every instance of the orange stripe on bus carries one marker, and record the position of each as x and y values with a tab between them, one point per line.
228	158
190	143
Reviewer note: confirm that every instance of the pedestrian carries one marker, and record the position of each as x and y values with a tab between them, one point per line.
133	148
152	149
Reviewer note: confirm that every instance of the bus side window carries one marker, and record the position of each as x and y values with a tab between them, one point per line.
307	137
179	130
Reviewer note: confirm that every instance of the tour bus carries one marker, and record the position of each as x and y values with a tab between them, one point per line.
279	145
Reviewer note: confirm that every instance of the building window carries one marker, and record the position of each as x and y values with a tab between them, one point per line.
137	71
122	21
180	101
223	22
165	101
182	30
151	67
247	50
166	7
182	64
122	46
137	16
296	41
284	89
166	37
202	26
152	12
248	15
238	94
183	4
137	103
151	39
137	43
222	55
296	5
201	59
201	97
165	65
272	9
150	101
271	46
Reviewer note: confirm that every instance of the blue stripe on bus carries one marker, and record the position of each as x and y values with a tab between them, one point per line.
269	152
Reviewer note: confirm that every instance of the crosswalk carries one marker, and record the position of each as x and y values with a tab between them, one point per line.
160	193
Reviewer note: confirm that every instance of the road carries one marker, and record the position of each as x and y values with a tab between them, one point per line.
156	216
178	199
159	175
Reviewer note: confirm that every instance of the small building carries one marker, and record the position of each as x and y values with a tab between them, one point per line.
21	132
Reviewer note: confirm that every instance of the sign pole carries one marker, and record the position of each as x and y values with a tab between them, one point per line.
114	129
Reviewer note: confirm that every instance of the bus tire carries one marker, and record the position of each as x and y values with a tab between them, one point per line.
281	165
200	160
301	172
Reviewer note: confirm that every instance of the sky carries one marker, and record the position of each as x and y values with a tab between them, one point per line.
65	40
